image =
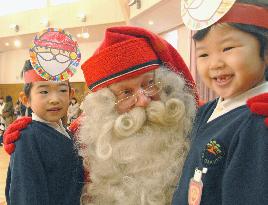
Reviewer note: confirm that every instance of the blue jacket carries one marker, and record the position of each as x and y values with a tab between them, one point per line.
234	148
44	169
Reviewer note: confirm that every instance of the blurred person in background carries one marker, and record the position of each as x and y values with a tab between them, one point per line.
73	110
8	111
2	105
2	130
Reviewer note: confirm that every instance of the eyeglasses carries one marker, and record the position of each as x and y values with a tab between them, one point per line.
129	99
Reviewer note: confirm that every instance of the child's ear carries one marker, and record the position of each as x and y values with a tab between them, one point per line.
25	100
266	60
72	93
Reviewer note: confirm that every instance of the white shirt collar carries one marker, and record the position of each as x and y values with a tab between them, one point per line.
224	106
59	127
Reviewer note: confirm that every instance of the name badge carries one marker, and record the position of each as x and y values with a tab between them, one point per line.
196	187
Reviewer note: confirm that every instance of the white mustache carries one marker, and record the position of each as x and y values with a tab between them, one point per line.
129	123
166	114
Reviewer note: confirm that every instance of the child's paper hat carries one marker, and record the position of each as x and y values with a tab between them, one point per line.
54	55
200	14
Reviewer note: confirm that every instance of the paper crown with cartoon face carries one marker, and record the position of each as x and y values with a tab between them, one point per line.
200	14
54	55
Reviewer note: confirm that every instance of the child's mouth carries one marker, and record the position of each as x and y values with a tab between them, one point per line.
54	109
223	79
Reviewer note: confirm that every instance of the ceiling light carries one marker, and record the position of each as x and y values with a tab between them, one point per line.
85	35
17	43
78	35
6	44
150	22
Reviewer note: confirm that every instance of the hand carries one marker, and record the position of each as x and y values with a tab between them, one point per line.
259	105
12	133
75	124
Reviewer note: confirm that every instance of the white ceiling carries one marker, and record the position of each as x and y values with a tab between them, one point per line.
165	15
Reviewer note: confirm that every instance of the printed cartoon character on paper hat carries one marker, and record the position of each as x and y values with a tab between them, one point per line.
200	14
54	54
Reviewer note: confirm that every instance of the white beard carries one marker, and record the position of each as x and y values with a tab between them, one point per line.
134	158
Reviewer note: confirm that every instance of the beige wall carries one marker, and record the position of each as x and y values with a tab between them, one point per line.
11	63
180	39
184	42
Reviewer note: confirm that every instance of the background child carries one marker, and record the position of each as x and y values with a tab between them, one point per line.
228	140
2	130
73	110
45	168
2	105
8	111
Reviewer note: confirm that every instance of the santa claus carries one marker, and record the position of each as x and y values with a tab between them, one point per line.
136	122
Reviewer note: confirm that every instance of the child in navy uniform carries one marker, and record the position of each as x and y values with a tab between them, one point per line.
228	160
45	168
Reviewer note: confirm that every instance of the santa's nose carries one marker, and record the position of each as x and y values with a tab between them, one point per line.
142	100
54	51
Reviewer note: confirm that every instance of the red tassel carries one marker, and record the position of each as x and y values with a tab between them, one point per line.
259	108
12	133
259	104
75	125
266	122
12	137
262	98
9	148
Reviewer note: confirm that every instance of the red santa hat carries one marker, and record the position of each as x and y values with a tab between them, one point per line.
127	52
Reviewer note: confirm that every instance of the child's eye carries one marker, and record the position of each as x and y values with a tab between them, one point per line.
227	48
64	90
203	55
43	92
